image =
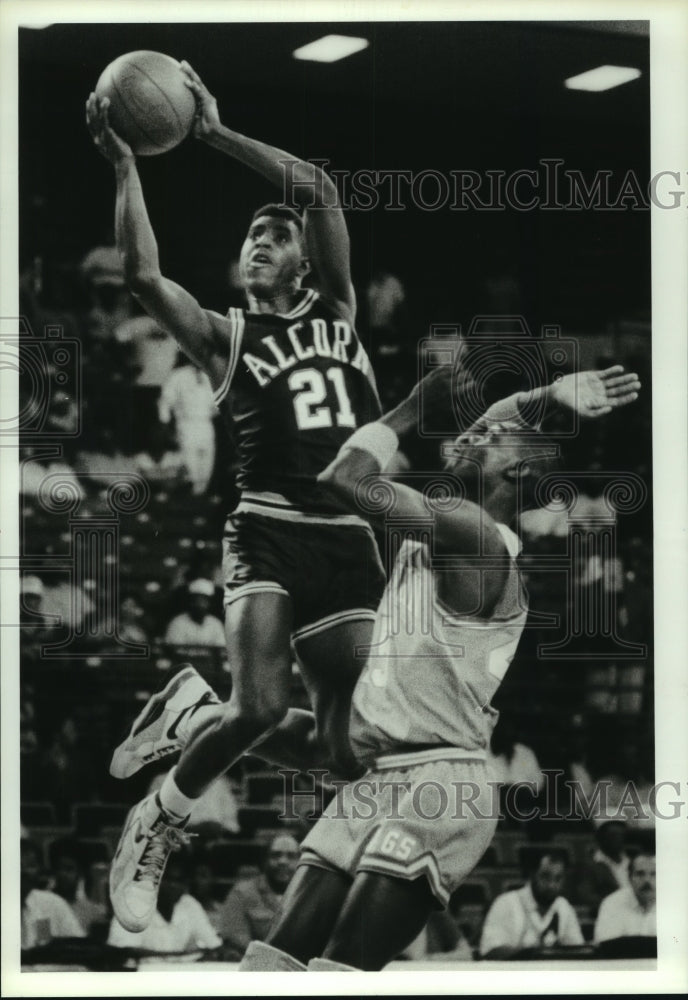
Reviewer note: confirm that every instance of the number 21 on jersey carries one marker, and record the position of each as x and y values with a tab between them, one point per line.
310	388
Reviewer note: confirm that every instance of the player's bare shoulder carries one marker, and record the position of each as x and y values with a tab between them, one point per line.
471	575
225	333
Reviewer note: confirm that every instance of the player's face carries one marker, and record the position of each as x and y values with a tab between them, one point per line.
272	257
643	880
479	455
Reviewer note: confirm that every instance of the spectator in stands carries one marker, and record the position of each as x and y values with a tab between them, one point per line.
32	591
35	623
151	354
179	925
253	904
511	761
35	469
131	617
67	769
631	910
518	774
534	917
203	887
44	915
29	748
607	869
109	303
161	462
188	397
69	882
200	566
196	626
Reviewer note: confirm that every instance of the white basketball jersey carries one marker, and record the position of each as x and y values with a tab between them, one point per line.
431	672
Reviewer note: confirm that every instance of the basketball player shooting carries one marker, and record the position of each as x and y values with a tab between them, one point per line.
390	848
292	378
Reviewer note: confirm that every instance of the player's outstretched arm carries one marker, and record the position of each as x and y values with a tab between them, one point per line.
590	394
355	480
168	303
302	185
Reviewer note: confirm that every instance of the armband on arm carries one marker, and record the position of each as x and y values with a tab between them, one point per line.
377	439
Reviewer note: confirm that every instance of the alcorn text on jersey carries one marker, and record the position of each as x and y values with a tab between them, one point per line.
296	387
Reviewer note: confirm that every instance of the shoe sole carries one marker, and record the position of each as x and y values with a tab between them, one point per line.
126	762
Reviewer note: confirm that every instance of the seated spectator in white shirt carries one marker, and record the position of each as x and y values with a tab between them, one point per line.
607	869
254	904
196	626
188	397
179	925
631	911
82	887
44	915
534	917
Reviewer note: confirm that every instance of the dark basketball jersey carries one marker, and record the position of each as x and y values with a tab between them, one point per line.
296	387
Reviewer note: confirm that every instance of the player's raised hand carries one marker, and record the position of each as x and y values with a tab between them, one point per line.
105	138
595	393
207	115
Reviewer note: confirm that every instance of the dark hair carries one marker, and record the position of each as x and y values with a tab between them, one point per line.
67	850
274	211
532	857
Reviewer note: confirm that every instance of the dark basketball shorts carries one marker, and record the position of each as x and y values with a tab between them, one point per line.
329	566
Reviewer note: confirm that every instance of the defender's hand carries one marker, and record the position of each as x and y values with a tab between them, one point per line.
207	116
595	393
106	140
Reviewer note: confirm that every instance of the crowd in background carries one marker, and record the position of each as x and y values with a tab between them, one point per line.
139	407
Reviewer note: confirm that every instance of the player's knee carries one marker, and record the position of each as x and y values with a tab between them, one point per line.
256	719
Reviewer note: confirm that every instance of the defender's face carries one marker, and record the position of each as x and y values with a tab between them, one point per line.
272	256
483	454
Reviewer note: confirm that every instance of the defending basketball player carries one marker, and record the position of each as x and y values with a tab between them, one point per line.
396	843
291	376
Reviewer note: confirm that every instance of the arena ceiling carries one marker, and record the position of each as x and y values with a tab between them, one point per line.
423	96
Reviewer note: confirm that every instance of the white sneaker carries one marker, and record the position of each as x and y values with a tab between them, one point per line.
155	733
139	863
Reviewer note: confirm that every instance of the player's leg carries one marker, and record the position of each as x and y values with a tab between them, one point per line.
311	906
331	662
258	630
293	744
382	915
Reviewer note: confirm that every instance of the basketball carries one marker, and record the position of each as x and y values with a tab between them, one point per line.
151	107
